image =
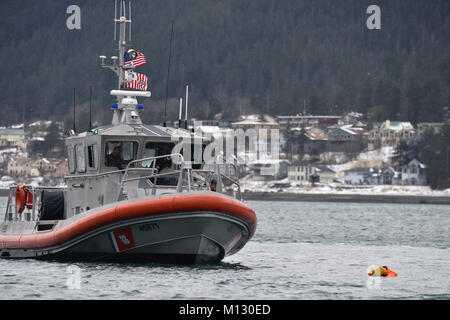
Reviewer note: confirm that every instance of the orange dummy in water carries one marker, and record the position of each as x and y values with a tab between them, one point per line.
381	271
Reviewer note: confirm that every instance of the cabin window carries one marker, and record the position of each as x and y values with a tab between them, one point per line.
80	157
194	153
148	153
154	149
93	156
71	158
120	153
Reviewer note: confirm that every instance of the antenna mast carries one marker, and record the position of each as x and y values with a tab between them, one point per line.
168	74
90	108
122	20
73	120
186	111
126	109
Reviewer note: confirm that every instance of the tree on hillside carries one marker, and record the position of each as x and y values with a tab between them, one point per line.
436	157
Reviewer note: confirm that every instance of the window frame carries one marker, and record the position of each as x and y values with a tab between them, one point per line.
121	142
92	156
80	146
71	161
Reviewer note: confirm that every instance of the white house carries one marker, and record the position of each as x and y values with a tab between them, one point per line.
303	173
359	175
414	174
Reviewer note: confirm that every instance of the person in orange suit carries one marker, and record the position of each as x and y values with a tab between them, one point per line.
382	271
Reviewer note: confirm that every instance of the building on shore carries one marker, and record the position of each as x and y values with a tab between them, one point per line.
390	133
413	174
313	141
268	169
21	167
302	121
13	137
305	173
346	139
359	176
29	168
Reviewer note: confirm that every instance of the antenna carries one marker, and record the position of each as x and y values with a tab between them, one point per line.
168	74
115	18
73	119
129	12
186	111
181	111
90	108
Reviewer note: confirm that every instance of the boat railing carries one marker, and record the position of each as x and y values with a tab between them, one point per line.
29	214
139	165
188	179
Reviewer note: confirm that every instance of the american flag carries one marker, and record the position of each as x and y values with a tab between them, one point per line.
134	58
136	81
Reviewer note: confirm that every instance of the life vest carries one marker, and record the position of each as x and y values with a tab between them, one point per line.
389	274
21	196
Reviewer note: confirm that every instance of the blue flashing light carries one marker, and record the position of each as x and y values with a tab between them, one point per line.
115	106
140	107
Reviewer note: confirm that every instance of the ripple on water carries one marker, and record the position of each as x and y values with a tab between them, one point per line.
300	251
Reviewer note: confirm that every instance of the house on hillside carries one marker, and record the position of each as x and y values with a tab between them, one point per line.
390	133
314	141
414	174
345	139
22	167
13	137
303	121
25	167
258	132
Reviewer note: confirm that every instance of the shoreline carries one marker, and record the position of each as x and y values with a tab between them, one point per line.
333	197
358	198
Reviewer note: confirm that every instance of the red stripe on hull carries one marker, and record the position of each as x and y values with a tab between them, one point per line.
137	209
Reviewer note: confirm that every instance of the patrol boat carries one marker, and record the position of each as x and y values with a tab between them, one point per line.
129	197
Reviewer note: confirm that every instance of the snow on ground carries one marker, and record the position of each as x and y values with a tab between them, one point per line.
6	182
375	158
335	188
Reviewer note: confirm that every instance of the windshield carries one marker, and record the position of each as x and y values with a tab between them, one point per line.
119	153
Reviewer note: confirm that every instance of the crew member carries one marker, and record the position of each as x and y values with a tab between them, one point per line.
115	159
213	185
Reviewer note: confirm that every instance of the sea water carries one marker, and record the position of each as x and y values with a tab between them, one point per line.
301	250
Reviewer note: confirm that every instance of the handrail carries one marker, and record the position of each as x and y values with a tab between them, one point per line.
189	179
153	168
185	173
11	210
